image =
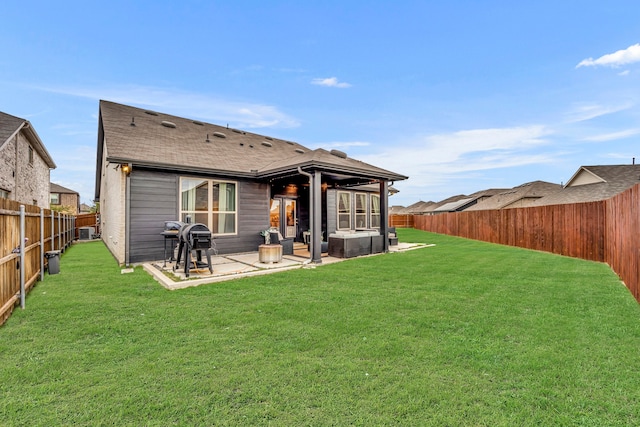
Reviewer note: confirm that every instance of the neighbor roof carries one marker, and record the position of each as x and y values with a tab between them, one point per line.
55	188
525	193
593	183
11	125
153	139
454	206
417	208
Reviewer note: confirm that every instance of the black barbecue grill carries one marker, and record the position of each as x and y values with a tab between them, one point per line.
194	239
170	233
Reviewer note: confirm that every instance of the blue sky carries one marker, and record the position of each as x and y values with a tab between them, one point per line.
460	96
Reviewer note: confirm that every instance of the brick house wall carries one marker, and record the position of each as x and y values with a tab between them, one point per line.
24	173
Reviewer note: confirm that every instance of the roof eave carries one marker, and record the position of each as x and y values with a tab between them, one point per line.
179	168
326	167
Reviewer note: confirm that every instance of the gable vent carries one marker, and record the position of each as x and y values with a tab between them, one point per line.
267	144
151	113
339	153
219	135
168	124
299	150
195	122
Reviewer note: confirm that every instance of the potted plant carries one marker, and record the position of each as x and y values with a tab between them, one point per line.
267	236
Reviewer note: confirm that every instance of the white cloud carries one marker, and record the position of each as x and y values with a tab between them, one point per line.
615	59
584	112
447	156
330	82
624	73
613	136
242	115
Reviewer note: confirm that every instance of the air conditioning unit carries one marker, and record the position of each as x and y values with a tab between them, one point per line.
87	233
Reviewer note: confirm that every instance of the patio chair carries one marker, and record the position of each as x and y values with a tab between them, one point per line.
287	244
393	238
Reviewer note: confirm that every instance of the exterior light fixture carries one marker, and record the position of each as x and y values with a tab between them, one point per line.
126	168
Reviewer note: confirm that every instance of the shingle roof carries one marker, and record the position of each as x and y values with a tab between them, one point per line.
615	179
10	125
150	138
417	208
523	194
55	188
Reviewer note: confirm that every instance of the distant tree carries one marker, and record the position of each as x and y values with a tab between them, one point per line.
63	209
95	208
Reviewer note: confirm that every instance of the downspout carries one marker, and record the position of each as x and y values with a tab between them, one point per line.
311	211
127	219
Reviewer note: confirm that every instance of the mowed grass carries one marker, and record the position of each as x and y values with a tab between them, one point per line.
462	333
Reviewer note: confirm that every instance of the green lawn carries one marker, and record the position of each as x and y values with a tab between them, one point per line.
462	333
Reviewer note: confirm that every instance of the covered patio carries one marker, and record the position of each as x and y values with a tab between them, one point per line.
324	194
235	266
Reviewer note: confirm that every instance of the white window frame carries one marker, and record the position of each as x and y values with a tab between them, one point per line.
372	212
346	212
4	194
362	213
210	212
57	197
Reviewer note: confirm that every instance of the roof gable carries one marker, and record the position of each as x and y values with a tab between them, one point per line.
583	176
11	125
611	180
55	188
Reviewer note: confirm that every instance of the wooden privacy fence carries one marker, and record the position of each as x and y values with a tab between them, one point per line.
87	220
606	231
401	221
26	234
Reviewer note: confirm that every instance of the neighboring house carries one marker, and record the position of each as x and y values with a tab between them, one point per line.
593	183
153	167
466	202
517	197
417	208
25	164
67	200
432	209
85	208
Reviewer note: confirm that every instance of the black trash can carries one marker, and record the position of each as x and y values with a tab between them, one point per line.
53	258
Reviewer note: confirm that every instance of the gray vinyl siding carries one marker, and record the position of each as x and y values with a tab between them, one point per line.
154	200
253	217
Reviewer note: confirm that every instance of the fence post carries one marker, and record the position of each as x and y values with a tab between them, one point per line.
53	230
41	244
22	269
60	232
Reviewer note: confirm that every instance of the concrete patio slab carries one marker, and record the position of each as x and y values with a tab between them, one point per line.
235	266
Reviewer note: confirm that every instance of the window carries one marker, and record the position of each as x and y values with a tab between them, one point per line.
30	155
375	211
4	194
55	199
361	210
274	213
209	202
344	210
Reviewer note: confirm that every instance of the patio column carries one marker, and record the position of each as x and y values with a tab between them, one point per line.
316	217
384	214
